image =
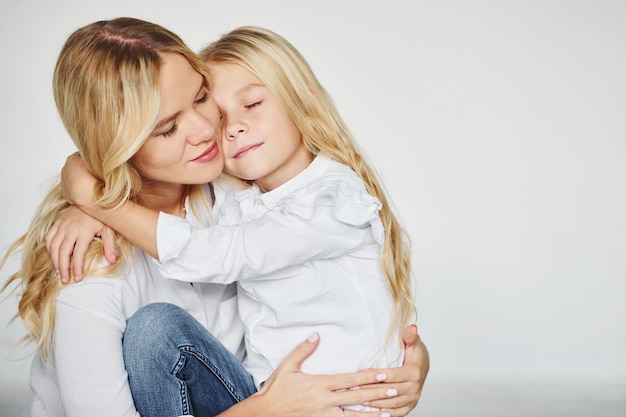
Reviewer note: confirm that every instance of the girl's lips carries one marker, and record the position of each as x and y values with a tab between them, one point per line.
208	155
245	149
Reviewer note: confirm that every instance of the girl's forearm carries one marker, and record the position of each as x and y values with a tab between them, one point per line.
135	222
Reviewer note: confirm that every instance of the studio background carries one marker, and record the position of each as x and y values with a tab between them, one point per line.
499	129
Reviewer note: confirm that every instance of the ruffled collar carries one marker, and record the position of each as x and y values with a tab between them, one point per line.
316	168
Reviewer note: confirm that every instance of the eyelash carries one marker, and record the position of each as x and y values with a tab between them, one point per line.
170	131
203	99
174	128
255	104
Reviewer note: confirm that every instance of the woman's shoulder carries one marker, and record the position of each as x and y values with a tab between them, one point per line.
103	289
91	290
91	302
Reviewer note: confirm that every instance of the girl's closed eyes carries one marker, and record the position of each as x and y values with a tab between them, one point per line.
255	104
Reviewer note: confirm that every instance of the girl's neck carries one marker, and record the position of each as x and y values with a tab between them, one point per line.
291	168
168	198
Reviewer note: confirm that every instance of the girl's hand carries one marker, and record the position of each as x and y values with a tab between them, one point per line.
290	392
77	183
407	380
69	237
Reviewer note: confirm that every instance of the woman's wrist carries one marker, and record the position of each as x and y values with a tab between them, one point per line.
253	406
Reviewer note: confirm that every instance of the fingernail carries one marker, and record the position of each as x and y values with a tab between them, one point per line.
392	392
381	377
313	338
385	414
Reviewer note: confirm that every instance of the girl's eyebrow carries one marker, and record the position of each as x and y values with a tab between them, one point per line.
248	87
168	119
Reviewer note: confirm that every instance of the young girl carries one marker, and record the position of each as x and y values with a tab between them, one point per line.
312	241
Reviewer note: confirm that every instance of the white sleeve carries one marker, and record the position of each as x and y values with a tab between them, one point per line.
224	254
88	350
173	234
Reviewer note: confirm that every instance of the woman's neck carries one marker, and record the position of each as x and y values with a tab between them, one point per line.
168	198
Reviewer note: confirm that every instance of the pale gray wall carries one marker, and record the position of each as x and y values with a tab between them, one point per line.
499	128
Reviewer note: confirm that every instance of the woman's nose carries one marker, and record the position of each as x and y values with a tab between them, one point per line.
204	131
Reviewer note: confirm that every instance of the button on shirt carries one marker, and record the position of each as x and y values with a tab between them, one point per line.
306	257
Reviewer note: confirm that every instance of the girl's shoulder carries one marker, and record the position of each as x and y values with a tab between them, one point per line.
336	172
324	185
336	186
337	182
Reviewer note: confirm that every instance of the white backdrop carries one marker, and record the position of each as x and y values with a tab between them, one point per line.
499	128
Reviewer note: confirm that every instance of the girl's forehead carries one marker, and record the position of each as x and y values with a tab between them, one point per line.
232	76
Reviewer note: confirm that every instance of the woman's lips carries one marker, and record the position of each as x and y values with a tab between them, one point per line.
208	155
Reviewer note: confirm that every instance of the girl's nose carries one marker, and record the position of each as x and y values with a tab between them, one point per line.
234	130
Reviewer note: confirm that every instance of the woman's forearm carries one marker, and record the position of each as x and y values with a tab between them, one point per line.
289	392
253	406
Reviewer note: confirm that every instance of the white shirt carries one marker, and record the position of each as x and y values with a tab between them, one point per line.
86	376
307	258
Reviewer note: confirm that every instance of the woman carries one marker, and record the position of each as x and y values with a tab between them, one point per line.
134	100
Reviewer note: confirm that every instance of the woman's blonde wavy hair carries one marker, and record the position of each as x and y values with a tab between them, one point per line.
106	88
288	76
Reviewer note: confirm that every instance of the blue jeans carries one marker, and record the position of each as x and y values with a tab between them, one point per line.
176	367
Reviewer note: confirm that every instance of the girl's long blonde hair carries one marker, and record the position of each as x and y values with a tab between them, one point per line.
106	88
277	64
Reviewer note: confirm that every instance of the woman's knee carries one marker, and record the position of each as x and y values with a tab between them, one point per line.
148	332
152	320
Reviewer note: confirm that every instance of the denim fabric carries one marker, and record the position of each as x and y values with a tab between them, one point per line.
176	367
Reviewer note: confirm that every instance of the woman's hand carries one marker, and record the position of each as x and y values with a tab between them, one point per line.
290	392
77	183
407	380
68	240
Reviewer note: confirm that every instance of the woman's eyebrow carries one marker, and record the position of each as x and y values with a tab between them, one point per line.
168	119
165	121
